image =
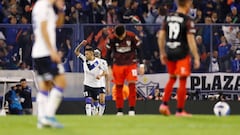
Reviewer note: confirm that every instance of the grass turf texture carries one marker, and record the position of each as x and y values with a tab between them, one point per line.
124	125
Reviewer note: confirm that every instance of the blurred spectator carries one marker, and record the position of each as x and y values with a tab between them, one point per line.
81	14
213	61
236	43
133	11
97	12
25	42
234	15
66	53
209	8
206	33
161	15
111	17
202	53
25	96
156	66
224	54
199	17
101	39
13	99
230	32
214	17
122	11
27	12
155	94
236	62
3	51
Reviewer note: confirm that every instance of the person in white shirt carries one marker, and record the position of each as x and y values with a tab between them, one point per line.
47	60
105	83
93	72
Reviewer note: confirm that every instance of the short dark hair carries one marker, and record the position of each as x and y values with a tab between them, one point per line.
119	30
88	48
23	79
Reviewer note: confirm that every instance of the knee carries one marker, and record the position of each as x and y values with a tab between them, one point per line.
88	100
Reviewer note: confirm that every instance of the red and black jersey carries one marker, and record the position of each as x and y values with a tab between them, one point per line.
177	26
123	52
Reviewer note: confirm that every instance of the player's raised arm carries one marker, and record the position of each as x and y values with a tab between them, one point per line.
77	49
61	14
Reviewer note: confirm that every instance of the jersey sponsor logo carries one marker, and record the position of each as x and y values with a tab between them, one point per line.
173	45
123	49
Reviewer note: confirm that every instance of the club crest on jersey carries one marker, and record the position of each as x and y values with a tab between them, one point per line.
128	43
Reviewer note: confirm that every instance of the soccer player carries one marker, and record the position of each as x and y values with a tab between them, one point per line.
47	60
105	83
176	41
93	72
123	50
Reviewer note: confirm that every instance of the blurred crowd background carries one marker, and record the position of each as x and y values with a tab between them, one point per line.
218	35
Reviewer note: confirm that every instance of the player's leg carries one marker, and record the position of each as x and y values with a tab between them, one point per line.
88	100
118	74
95	97
164	109
132	78
56	94
45	76
102	101
42	98
183	70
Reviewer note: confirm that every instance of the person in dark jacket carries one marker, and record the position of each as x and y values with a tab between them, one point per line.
25	96
13	99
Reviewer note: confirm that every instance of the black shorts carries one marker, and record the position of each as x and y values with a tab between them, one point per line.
91	92
102	90
46	69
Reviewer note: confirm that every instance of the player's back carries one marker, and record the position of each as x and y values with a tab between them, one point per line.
125	49
43	11
177	26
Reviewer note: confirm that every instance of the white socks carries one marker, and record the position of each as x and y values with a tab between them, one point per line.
48	102
55	98
88	108
101	109
42	101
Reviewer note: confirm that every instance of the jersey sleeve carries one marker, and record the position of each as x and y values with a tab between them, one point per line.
42	15
82	57
190	26
105	65
164	23
137	41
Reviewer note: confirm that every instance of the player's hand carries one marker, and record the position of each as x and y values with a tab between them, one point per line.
163	59
55	57
60	5
84	42
196	64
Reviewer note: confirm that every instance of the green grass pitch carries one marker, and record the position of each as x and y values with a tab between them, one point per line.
125	125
